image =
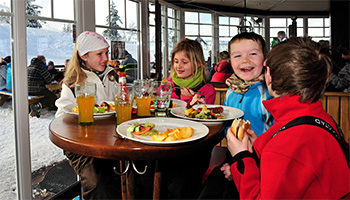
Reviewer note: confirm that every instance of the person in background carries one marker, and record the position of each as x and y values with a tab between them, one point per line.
209	63
222	70
38	77
341	81
247	90
281	36
3	71
9	77
66	64
129	66
189	74
56	75
300	162
89	65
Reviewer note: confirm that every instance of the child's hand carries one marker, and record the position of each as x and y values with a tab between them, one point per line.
235	145
197	98
252	137
226	168
185	91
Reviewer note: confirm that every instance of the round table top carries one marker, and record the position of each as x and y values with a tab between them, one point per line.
99	140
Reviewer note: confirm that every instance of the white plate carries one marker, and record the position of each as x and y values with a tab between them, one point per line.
162	124
179	103
229	112
68	109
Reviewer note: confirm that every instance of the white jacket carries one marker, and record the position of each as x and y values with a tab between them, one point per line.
104	91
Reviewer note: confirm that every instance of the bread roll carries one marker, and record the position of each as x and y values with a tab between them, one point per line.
239	126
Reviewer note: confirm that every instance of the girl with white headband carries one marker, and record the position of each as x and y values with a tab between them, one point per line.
89	64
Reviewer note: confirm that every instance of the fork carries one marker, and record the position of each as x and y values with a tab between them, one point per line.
195	92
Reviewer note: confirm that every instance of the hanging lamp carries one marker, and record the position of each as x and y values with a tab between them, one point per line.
243	24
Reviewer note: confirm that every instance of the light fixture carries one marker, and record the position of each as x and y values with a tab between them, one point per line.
243	24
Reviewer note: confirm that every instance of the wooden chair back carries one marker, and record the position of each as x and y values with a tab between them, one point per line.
335	103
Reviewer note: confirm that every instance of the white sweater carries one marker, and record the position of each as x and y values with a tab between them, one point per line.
104	91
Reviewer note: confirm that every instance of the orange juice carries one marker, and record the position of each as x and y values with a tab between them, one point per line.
143	106
86	106
124	112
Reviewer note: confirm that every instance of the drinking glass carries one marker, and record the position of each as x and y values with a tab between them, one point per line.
123	100
161	95
143	91
86	95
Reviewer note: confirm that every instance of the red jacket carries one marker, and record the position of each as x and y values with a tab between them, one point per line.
303	161
223	70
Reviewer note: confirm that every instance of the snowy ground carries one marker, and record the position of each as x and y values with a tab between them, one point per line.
43	151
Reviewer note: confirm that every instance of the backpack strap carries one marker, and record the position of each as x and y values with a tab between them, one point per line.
310	120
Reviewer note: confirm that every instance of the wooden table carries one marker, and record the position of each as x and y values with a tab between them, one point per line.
99	141
55	88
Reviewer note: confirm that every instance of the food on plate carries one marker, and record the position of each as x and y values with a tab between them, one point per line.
103	108
148	129
239	126
174	134
142	129
172	104
205	113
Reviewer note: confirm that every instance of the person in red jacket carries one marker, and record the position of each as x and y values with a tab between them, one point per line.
223	69
303	161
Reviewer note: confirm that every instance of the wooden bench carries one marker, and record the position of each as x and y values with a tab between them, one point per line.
5	94
335	103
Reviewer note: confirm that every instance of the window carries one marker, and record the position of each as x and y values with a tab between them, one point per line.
48	33
319	29
117	20
227	29
282	24
170	34
199	26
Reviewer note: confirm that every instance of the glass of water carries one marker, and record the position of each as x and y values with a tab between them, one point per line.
161	95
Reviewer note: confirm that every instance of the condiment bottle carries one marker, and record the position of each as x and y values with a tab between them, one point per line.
124	93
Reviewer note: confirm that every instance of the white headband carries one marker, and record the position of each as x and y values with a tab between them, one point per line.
90	41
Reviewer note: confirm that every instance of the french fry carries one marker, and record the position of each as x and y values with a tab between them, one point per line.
174	134
159	137
170	138
188	111
188	132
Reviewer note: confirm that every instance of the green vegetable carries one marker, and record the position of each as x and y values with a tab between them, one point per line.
131	128
151	132
137	129
95	110
102	109
149	124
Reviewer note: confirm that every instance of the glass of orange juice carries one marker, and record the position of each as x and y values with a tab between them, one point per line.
86	95
123	99
143	97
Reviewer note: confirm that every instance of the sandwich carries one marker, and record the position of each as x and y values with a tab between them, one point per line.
239	126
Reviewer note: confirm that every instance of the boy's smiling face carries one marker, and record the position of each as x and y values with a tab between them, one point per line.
247	59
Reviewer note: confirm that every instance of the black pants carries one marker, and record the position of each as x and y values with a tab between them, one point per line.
181	178
217	186
49	98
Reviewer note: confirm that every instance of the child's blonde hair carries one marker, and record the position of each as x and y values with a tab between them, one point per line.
194	52
74	74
